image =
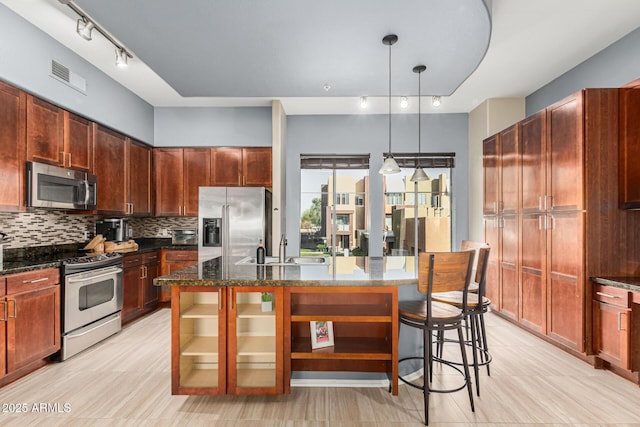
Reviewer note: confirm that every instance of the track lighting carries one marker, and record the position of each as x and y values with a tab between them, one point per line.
84	28
404	102
435	101
364	102
121	57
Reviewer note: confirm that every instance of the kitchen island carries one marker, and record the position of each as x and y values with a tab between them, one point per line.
242	328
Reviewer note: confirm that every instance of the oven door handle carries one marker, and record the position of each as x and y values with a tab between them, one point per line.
90	278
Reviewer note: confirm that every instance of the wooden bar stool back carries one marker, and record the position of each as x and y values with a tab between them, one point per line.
439	272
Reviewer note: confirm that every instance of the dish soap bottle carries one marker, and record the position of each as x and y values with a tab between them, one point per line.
260	253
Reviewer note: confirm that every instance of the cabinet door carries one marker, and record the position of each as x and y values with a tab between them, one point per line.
131	294
149	290
33	326
197	173
226	166
139	169
509	266
12	147
565	279
629	148
565	149
491	170
255	342
509	171
168	165
256	167
78	142
611	333
198	340
492	236
45	124
533	162
533	292
109	166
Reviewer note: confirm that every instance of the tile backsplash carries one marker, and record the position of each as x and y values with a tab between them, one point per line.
51	227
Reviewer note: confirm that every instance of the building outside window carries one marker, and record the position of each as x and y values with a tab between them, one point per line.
334	204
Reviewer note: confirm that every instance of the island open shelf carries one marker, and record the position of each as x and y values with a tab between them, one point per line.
365	329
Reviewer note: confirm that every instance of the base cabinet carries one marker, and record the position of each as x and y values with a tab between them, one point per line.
612	325
30	330
223	343
365	330
139	295
174	260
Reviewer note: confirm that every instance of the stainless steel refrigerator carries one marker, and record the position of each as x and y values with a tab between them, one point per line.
232	221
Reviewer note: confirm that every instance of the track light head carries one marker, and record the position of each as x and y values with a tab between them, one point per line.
84	28
121	58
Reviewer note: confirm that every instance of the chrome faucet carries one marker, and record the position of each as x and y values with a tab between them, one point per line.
283	246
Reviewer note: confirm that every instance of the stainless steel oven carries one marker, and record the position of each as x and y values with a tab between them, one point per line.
91	301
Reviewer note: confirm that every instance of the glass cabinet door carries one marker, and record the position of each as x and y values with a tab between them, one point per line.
255	340
200	360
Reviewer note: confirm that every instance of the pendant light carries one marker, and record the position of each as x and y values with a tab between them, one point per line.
419	174
390	165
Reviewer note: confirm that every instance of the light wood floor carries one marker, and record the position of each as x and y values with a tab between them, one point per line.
124	381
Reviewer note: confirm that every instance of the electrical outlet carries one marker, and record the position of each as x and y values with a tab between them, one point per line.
86	235
164	232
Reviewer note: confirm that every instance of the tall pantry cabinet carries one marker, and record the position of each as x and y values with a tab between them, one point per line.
567	203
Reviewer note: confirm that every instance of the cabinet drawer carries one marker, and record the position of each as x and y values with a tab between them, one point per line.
189	255
150	258
131	261
611	295
24	282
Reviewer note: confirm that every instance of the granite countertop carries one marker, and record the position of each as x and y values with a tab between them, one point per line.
345	271
41	257
630	283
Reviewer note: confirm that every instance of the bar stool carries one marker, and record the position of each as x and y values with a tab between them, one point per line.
476	306
439	272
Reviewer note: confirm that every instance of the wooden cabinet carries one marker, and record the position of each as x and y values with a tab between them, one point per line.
139	169
45	132
178	174
139	295
174	260
222	343
110	153
612	325
241	166
12	147
629	149
365	330
78	142
31	325
566	153
58	137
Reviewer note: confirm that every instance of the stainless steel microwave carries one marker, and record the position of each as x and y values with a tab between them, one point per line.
54	187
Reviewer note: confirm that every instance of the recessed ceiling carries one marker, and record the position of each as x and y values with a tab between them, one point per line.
247	52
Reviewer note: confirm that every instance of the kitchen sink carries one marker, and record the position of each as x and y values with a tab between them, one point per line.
299	260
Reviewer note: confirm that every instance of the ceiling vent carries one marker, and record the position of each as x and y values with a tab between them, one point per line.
68	77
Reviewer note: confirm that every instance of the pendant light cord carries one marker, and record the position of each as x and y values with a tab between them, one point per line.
390	44
419	118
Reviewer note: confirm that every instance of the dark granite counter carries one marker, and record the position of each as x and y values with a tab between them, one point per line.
343	271
51	256
630	283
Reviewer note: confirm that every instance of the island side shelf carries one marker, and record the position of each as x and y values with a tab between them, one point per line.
365	329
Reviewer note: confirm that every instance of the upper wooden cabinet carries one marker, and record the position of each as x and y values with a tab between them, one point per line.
178	174
490	171
110	153
241	167
139	166
12	147
58	137
630	148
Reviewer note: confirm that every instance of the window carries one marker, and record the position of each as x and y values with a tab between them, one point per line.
329	222
411	227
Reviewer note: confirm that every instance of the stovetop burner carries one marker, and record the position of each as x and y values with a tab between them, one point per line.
90	262
91	258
